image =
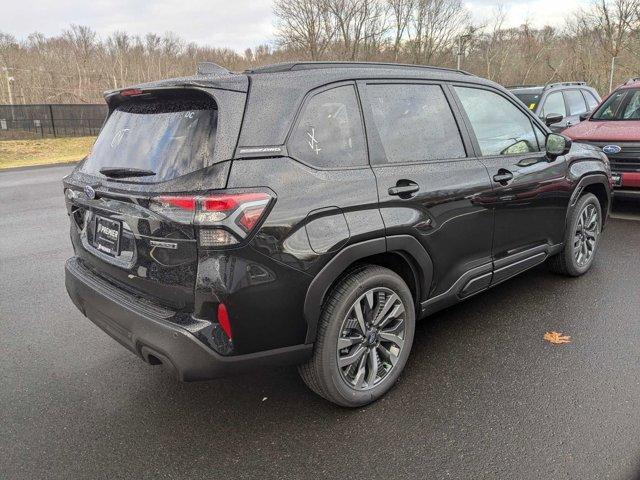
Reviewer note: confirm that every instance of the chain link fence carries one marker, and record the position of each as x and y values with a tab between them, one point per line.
48	120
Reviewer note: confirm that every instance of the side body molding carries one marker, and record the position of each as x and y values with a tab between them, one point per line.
405	245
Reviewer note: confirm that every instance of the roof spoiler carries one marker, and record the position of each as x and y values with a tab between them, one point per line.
210	68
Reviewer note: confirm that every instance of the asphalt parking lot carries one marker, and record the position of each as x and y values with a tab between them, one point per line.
482	397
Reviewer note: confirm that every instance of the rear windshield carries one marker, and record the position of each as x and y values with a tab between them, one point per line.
529	99
621	105
169	137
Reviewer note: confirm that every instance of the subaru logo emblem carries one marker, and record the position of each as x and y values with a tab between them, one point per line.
611	149
89	192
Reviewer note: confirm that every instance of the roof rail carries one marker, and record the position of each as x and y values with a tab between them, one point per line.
632	80
297	66
210	68
563	84
523	86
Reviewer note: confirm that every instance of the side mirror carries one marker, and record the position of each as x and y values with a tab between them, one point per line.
552	118
584	116
557	145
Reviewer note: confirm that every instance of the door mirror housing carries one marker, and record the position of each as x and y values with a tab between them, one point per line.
584	116
552	118
557	145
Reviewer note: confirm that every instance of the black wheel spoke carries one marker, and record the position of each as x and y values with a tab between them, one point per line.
586	235
371	338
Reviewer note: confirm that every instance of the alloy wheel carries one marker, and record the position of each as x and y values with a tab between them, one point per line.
586	235
371	338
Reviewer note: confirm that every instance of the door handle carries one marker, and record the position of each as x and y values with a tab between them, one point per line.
503	176
404	190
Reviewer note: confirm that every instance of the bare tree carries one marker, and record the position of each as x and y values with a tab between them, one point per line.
357	22
78	65
434	25
613	23
304	25
401	11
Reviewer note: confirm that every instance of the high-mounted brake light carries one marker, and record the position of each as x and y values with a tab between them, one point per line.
131	92
224	219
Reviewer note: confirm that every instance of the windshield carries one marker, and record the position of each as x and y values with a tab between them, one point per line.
529	99
621	105
167	138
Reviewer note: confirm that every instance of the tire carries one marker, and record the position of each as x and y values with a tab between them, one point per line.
580	240
369	362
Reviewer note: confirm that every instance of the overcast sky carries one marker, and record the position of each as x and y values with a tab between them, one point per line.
236	24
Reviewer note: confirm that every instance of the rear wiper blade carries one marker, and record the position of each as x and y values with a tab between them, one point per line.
123	172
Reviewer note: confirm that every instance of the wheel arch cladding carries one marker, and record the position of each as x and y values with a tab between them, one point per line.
600	191
402	254
598	185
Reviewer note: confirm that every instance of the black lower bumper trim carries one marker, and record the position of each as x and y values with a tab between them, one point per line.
146	331
626	193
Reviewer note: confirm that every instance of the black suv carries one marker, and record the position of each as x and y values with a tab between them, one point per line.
559	105
310	213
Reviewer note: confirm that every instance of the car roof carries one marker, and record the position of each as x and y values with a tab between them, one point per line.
537	89
531	90
631	83
268	118
276	91
297	66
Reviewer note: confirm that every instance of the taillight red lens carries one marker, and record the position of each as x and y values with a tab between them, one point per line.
250	217
222	203
185	203
226	203
223	319
131	92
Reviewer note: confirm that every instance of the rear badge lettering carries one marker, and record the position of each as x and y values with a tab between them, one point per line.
170	245
257	150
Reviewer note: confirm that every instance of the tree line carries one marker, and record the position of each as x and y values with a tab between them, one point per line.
599	44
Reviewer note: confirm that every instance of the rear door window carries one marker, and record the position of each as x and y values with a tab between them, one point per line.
632	112
592	101
500	127
329	133
415	122
554	105
529	99
575	101
170	137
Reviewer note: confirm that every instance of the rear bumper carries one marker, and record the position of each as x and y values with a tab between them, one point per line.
145	329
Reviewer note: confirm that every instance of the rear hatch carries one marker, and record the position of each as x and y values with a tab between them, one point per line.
155	145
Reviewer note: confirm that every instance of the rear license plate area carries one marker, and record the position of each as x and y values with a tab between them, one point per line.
106	236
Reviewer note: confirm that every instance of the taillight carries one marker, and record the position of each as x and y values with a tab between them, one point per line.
180	209
224	219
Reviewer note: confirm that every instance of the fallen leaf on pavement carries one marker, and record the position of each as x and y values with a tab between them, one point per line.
556	337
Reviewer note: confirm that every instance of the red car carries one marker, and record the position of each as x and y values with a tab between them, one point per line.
614	127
